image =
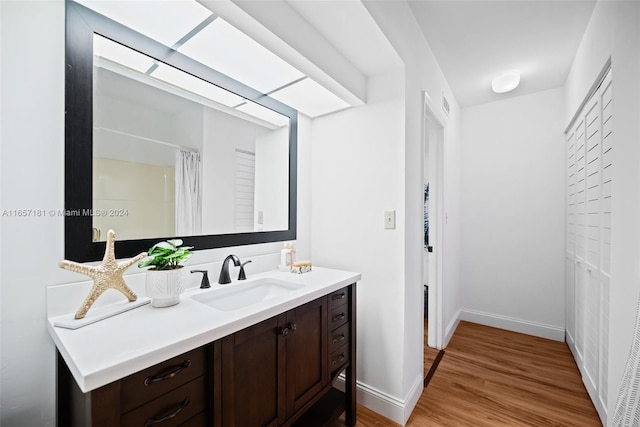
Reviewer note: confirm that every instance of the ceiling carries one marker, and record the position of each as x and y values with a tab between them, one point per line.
349	27
474	41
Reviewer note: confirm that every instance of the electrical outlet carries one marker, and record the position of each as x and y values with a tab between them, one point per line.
390	220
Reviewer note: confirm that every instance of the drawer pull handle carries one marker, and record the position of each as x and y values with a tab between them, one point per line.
335	362
338	317
154	379
173	414
338	338
337	297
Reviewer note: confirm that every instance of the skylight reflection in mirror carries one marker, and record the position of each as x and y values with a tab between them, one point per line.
118	54
132	65
265	114
195	85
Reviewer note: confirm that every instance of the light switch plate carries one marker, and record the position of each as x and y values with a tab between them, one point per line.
390	220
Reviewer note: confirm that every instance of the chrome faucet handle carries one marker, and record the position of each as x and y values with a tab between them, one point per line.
242	275
205	278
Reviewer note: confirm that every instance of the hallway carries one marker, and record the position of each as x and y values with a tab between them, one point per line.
491	377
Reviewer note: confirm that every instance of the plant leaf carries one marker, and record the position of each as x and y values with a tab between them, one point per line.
166	255
175	242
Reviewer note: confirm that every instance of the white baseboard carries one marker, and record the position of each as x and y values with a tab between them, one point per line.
451	328
397	410
412	398
512	324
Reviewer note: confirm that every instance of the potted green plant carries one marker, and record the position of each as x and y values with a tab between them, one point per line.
164	281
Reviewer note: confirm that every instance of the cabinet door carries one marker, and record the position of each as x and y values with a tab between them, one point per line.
307	369
253	375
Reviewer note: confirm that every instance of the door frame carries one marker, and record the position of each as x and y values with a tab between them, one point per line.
432	149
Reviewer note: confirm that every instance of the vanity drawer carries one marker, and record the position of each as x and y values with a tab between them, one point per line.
172	409
199	420
338	298
338	316
338	337
152	382
338	358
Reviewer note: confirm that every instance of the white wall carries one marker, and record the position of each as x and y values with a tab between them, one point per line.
357	174
513	174
614	31
422	73
32	177
32	50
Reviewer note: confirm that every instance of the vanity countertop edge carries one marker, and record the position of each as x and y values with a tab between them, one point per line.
114	348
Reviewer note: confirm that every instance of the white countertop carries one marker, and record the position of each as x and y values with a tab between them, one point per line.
110	349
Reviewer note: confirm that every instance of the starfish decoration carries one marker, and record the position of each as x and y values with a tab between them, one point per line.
106	275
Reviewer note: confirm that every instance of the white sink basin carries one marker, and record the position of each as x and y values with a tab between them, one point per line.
239	295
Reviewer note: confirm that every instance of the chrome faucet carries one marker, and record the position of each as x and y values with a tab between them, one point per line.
224	272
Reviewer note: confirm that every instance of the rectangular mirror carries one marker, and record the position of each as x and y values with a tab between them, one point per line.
160	146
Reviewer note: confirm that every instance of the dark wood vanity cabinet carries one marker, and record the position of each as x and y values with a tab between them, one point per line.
278	372
171	393
275	367
252	375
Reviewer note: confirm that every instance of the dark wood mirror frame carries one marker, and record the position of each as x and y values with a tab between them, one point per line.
81	24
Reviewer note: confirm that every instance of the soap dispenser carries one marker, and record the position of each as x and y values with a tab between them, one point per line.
285	256
292	254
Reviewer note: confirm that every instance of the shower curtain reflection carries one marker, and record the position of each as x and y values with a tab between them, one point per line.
188	193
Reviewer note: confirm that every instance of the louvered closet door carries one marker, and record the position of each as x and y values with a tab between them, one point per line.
593	187
580	237
589	183
571	236
606	101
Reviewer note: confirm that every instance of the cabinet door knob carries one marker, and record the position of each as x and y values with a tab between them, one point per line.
284	331
292	327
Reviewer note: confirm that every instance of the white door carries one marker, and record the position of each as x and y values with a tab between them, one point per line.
433	140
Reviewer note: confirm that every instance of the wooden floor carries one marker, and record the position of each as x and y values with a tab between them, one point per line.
490	377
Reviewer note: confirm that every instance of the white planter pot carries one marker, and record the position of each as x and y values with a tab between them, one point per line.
164	286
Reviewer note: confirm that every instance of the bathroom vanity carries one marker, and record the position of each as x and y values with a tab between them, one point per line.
213	361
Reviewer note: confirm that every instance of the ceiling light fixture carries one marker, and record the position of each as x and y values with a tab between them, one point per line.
505	82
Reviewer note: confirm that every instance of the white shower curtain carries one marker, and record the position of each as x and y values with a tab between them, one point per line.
188	193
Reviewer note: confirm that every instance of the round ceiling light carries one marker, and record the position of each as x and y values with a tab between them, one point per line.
505	82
